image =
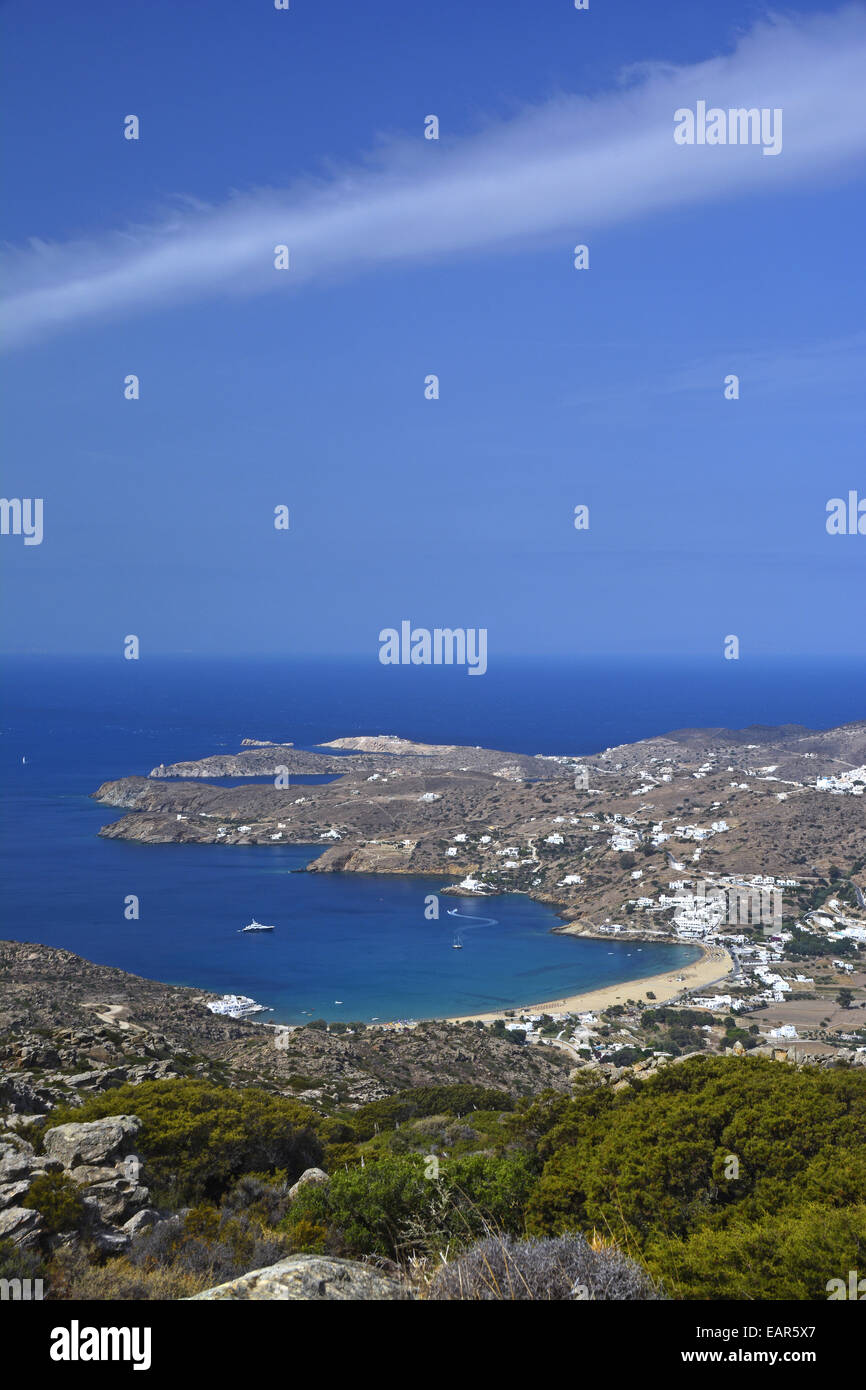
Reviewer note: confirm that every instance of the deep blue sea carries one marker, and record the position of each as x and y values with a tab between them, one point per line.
361	940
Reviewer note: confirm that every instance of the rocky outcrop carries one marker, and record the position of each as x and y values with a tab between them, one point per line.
310	1279
93	1143
99	1159
19	1165
12	1192
20	1096
116	1201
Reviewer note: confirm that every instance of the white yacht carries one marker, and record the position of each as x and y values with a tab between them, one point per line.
256	926
237	1006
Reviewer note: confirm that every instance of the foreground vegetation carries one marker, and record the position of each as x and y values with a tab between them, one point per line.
731	1178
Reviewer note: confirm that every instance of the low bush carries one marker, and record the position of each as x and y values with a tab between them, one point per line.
565	1268
421	1101
397	1204
215	1245
58	1200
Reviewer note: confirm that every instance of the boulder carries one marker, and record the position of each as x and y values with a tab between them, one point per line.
142	1221
114	1202
111	1242
92	1143
22	1226
91	1174
41	1164
312	1278
100	1080
12	1192
24	1098
14	1162
313	1175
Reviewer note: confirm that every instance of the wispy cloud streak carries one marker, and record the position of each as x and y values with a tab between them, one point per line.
563	169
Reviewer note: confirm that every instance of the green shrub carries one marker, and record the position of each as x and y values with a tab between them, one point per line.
58	1200
421	1101
391	1206
368	1208
777	1257
218	1245
16	1263
651	1162
197	1138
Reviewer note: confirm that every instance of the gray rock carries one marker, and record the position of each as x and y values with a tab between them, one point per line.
12	1192
111	1242
313	1175
12	1143
92	1143
152	1071
114	1202
14	1164
22	1226
97	1080
24	1098
91	1175
41	1164
142	1221
312	1278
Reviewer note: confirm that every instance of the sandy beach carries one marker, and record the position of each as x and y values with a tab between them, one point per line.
711	969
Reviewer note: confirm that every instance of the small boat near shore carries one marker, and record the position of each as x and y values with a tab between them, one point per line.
255	926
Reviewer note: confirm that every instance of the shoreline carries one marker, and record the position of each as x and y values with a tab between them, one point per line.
712	966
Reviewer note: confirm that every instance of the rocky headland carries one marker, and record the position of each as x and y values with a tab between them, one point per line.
587	835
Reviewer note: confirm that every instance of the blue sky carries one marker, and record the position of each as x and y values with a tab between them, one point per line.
411	257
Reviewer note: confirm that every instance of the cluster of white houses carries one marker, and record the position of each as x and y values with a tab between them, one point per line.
627	836
852	783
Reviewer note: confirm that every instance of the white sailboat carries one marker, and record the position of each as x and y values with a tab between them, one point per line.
457	944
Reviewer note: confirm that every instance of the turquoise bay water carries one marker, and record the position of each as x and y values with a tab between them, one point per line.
362	940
